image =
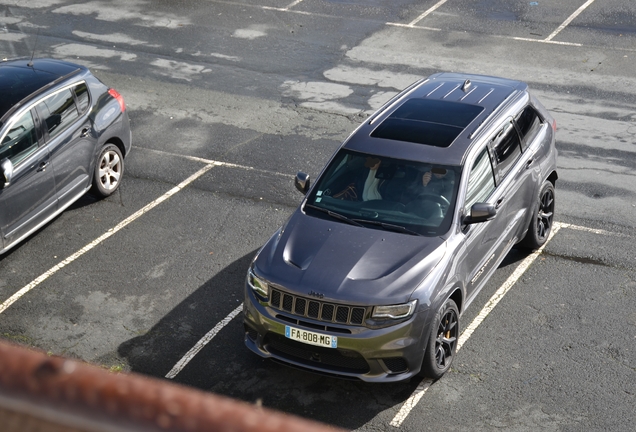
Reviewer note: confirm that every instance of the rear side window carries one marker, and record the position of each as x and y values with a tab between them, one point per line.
481	181
529	124
58	112
507	149
81	94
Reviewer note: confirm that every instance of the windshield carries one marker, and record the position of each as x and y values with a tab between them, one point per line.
385	193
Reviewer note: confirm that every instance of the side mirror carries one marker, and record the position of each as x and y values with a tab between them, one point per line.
6	173
302	182
480	212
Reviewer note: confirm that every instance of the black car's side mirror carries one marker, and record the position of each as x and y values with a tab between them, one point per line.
480	212
6	173
302	182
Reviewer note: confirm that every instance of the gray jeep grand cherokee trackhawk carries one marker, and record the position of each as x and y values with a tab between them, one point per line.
369	276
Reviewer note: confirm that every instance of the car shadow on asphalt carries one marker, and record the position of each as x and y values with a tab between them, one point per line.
226	367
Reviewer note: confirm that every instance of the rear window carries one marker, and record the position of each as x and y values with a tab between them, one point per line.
427	121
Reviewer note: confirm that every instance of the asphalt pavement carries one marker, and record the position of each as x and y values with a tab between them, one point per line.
229	99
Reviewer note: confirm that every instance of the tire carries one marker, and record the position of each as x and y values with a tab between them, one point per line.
541	222
442	342
109	170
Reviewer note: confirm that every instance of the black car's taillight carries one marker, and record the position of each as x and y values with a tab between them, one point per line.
114	93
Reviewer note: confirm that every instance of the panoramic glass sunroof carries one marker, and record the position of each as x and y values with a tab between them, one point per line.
427	121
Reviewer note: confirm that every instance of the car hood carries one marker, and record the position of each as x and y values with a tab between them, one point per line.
347	263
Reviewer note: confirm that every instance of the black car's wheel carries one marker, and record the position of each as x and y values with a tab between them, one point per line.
109	170
442	342
541	223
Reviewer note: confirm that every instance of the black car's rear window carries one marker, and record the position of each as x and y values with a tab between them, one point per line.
16	83
427	121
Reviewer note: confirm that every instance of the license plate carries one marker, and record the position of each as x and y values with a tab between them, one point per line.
311	338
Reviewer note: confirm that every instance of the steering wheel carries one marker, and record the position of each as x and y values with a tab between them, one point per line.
440	199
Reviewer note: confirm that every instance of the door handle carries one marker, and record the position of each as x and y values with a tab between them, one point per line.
84	132
499	202
529	163
42	166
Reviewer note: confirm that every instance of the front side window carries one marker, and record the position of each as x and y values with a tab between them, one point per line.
58	112
386	193
20	141
507	148
481	181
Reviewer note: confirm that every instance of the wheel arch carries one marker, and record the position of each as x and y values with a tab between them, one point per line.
553	177
458	297
119	143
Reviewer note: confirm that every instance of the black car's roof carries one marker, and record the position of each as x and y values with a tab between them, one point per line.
21	78
436	119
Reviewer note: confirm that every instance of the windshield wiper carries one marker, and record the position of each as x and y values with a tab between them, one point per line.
388	226
335	215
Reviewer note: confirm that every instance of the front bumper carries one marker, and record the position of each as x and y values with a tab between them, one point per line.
375	355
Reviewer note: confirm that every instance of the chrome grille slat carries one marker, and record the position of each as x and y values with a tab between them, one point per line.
318	310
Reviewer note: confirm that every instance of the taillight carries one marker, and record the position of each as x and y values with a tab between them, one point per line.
114	93
554	125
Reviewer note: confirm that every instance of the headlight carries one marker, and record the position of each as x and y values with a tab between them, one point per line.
395	311
258	285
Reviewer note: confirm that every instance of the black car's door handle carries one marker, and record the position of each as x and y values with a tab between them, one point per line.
42	166
499	202
84	132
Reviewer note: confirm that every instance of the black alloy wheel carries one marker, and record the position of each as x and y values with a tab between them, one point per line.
541	223
442	343
446	340
545	214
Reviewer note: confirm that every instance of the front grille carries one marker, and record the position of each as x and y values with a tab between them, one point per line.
313	356
322	311
395	364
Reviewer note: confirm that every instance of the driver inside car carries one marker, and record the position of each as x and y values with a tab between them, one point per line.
430	196
437	181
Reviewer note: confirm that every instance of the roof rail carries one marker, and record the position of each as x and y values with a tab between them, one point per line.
486	121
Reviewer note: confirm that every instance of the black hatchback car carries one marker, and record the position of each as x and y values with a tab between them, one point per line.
369	277
62	133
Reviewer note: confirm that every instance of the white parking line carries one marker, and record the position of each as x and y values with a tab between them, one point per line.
15	297
291	5
216	163
412	24
569	20
415	397
543	41
209	164
426	13
202	342
591	230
